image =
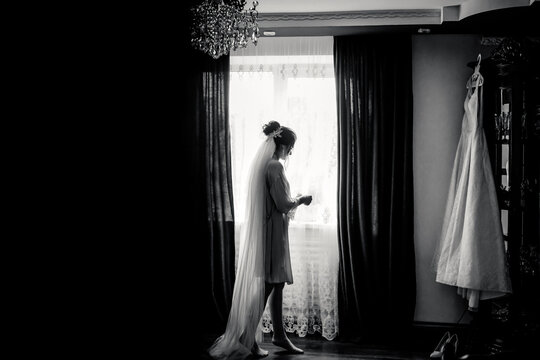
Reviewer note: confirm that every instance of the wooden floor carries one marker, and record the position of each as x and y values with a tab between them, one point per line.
417	347
322	349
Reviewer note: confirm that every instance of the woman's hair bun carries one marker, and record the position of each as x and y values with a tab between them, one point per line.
271	127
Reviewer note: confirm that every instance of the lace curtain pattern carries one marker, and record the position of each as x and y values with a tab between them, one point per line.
291	80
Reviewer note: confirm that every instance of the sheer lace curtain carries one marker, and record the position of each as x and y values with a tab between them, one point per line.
291	80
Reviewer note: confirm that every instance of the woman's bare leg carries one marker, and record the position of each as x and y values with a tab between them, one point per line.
276	309
256	349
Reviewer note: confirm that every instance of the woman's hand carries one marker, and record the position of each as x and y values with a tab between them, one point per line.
305	199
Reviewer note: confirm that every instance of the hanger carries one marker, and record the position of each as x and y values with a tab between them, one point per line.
476	74
478	60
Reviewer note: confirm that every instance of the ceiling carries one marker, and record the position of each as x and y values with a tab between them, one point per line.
343	17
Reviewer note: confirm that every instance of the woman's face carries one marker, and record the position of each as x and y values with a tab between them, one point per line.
289	150
286	150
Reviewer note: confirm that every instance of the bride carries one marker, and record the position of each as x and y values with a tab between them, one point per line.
264	264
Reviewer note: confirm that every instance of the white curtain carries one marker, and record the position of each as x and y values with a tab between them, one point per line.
291	80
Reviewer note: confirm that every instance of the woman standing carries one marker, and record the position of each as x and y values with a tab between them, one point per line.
264	264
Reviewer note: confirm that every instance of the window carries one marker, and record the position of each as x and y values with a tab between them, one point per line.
291	80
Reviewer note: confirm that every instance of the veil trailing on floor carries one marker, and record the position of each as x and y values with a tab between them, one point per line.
248	294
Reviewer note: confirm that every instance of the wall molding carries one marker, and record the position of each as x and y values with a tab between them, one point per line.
352	18
367	14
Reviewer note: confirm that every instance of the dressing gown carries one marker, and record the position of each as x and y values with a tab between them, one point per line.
279	206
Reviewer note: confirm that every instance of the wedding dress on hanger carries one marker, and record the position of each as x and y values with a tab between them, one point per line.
471	252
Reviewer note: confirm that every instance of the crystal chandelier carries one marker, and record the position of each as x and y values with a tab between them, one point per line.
220	26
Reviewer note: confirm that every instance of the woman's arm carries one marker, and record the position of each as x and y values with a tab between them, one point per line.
276	181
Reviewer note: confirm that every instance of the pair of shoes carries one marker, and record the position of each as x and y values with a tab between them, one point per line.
437	353
447	348
450	348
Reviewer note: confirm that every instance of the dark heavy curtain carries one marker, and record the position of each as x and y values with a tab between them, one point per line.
377	285
209	237
214	121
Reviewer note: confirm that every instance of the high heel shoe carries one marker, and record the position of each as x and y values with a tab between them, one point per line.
449	350
437	353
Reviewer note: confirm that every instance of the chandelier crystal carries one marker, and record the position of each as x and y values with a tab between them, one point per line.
220	27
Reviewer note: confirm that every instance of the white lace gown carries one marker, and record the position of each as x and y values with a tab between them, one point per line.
471	253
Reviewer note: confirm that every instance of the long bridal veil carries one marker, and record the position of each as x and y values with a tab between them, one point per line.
248	293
